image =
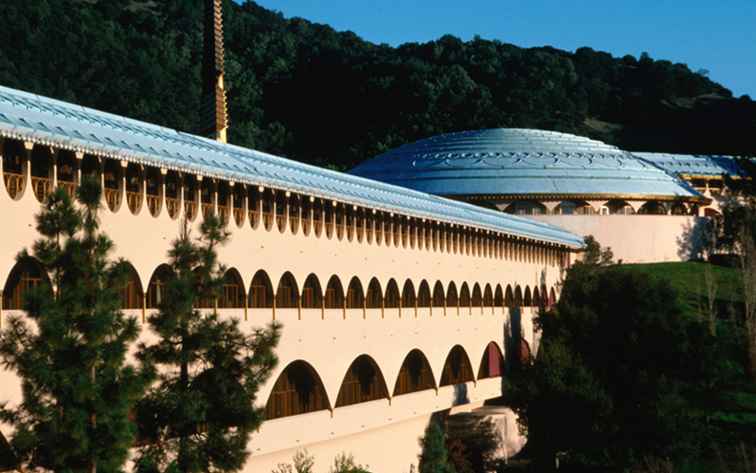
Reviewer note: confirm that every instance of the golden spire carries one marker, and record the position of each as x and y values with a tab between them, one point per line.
214	112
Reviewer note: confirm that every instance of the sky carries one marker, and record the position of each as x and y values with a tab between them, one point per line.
716	35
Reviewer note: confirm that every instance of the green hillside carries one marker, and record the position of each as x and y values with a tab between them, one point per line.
689	279
308	92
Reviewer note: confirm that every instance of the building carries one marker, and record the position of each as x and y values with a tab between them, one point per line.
647	207
423	290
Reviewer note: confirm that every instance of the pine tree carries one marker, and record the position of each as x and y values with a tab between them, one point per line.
200	414
434	457
78	389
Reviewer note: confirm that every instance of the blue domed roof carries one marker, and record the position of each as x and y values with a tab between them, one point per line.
510	162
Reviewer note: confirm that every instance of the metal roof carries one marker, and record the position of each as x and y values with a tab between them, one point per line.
46	121
693	164
511	161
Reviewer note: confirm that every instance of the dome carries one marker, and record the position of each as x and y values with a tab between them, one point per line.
511	162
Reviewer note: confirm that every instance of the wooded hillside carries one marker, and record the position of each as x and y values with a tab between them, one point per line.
313	94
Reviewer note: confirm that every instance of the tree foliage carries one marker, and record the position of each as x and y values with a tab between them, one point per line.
78	388
624	373
201	413
434	457
308	92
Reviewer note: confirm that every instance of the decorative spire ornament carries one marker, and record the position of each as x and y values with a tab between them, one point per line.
214	109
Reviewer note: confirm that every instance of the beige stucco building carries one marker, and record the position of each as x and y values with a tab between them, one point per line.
428	293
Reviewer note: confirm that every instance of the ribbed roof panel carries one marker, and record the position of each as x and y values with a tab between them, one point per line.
513	161
47	121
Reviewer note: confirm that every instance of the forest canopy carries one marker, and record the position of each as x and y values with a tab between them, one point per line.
308	92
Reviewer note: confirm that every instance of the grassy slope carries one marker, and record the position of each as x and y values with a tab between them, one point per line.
688	278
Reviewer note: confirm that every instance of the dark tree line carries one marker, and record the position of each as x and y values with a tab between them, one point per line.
308	92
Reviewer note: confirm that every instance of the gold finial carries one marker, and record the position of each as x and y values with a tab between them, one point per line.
214	111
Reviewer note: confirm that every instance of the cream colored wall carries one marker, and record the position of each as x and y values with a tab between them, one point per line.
330	343
633	238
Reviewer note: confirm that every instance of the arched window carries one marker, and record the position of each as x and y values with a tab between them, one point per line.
527	300
359	223
439	298
414	375
254	206
131	292
619	207
391	301
334	296
369	226
397	227
268	202
653	207
408	294
509	297
207	193
41	171
526	208
287	292
173	194
281	210
374	299
295	208
574	207
26	275
312	294
464	296
488	299
156	289
329	218
306	216
261	291
424	294
14	168
452	300
355	296
134	183
298	390
237	196
499	296
477	297
363	382
191	189
317	217
457	367
154	190
349	217
67	166
232	296
536	297
378	222
405	232
113	177
340	220
492	362
387	229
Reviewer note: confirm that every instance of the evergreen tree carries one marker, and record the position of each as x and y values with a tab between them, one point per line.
78	388
434	457
200	415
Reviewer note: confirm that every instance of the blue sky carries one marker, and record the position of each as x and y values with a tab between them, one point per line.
718	35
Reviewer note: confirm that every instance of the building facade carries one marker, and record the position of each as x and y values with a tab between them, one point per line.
425	293
647	207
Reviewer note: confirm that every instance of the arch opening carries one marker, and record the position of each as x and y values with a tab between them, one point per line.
363	382
414	375
261	291
492	362
298	390
457	368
